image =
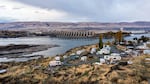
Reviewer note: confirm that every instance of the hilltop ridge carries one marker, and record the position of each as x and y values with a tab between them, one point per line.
61	25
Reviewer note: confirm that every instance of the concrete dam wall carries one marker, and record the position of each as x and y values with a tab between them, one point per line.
72	34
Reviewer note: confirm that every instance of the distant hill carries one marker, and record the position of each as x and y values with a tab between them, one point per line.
44	26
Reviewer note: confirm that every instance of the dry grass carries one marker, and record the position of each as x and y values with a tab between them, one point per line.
137	73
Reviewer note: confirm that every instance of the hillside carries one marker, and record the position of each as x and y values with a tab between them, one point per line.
44	26
36	71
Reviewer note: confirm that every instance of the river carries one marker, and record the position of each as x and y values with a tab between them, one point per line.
65	44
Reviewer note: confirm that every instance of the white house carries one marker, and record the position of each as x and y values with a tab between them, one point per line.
84	58
3	71
107	57
108	47
98	63
129	62
144	46
104	50
93	50
115	54
114	57
102	60
128	51
65	57
55	63
146	52
135	53
72	54
57	58
79	52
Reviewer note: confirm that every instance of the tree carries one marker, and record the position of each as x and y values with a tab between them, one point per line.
108	43
118	37
101	41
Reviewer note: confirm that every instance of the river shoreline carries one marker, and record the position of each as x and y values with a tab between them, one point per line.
22	50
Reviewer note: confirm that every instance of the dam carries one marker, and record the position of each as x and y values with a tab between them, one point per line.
72	34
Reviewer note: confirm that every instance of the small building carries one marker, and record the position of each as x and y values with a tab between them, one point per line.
93	50
105	50
55	63
72	54
115	54
108	47
114	58
107	57
3	71
135	53
129	62
65	57
128	51
84	58
102	61
79	52
74	57
142	47
146	52
130	47
57	58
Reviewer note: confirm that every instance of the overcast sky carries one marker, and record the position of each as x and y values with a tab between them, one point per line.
75	10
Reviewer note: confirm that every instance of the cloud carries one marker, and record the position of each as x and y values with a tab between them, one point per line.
23	12
77	10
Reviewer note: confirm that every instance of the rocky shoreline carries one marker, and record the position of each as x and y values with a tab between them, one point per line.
15	51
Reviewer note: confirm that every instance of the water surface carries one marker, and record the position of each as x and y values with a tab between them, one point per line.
65	44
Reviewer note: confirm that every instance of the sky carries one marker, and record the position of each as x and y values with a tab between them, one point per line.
74	10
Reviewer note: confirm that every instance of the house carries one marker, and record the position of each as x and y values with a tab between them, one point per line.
114	58
128	51
144	46
55	63
72	54
107	57
84	58
123	54
57	58
80	52
102	61
146	52
93	50
3	71
108	47
130	47
65	57
104	50
74	57
97	63
135	53
129	62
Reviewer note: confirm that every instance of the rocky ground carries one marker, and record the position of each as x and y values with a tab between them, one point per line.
37	71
